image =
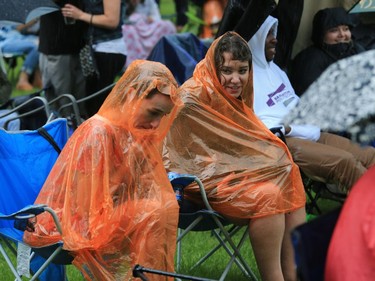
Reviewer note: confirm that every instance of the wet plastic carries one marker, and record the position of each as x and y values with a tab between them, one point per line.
110	188
247	171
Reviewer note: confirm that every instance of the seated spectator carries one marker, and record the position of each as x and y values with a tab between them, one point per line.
143	28
14	42
332	40
248	172
109	187
323	156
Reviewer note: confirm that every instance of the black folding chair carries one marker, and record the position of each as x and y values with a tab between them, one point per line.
194	218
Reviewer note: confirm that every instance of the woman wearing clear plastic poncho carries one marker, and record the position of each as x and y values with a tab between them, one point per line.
109	186
247	171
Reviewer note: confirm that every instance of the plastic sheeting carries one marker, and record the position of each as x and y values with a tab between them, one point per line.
247	171
110	189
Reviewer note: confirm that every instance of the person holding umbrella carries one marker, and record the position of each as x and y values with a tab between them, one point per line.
320	155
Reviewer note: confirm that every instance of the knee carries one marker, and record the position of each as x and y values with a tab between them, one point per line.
348	162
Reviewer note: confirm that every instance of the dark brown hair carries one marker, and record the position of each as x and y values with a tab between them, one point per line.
231	42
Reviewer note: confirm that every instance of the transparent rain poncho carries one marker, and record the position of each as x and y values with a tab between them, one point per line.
247	171
110	189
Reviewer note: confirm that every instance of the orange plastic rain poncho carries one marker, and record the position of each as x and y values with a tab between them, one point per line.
247	171
110	189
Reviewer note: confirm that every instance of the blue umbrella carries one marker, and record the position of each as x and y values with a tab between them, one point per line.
23	11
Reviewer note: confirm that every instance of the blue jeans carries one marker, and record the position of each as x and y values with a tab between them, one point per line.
27	47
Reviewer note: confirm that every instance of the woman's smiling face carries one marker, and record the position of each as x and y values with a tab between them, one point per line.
234	75
338	34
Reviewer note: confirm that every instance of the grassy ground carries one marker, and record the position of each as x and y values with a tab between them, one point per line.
193	246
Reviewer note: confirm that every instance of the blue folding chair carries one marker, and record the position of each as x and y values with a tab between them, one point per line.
26	158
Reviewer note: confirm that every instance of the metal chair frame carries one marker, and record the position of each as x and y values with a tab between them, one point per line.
207	219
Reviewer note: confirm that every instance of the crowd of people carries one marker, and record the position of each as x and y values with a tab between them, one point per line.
110	186
119	31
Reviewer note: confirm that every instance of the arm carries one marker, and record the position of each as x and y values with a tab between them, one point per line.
110	19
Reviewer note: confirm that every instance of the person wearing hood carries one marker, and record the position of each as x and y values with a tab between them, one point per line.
109	187
248	173
332	41
322	156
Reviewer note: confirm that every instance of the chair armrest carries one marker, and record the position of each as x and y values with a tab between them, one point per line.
184	180
23	215
27	212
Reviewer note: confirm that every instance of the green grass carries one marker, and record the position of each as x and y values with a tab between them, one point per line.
193	246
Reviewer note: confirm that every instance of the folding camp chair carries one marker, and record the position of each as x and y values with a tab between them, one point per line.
193	218
26	159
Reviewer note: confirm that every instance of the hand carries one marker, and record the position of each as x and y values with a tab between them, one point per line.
71	11
308	132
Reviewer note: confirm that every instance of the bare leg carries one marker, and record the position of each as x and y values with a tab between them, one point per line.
292	220
23	83
266	236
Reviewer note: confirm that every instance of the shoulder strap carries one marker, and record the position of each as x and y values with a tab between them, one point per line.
43	132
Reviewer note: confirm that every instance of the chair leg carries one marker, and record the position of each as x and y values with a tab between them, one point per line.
232	250
10	264
247	271
178	252
235	253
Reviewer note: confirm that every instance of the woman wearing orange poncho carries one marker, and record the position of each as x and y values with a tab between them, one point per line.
109	186
247	171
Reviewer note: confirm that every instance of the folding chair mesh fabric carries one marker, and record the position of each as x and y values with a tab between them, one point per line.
26	159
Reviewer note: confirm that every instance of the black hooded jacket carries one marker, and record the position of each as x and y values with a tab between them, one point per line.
312	61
